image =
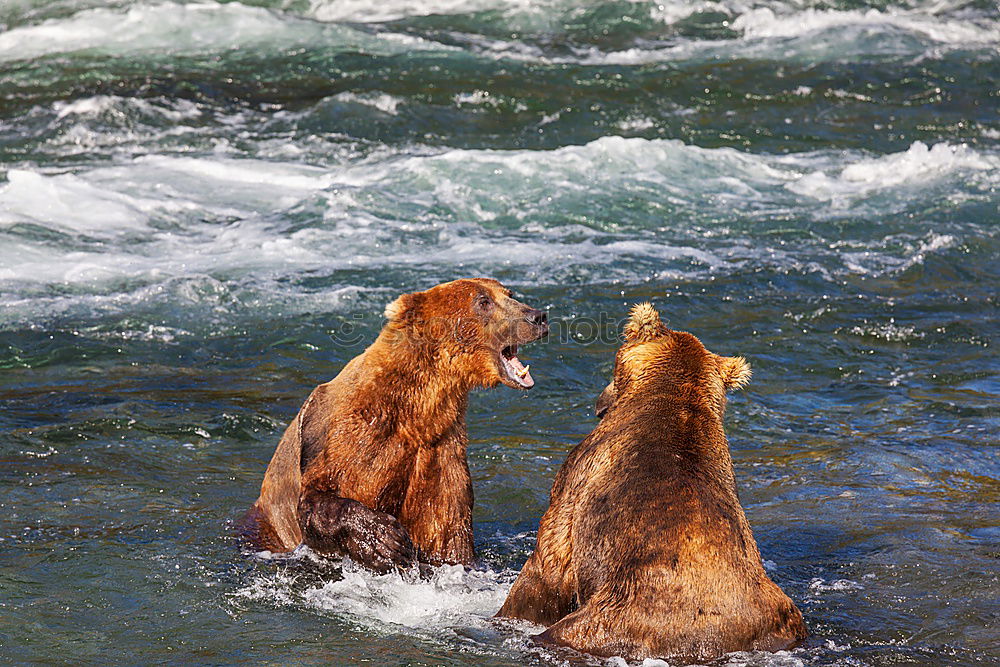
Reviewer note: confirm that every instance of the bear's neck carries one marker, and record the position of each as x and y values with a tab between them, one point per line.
685	423
409	385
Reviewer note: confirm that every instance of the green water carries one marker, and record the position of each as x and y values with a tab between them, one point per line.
204	208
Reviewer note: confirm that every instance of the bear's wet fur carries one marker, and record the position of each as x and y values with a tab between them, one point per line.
374	464
645	551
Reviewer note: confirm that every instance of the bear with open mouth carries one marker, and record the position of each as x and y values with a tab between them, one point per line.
645	551
374	464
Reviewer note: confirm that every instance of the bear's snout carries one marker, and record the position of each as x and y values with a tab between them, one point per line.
537	317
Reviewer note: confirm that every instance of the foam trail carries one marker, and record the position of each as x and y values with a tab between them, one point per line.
200	27
918	165
363	11
788	34
763	23
55	202
452	597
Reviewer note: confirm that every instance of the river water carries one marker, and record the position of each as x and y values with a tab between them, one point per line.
205	206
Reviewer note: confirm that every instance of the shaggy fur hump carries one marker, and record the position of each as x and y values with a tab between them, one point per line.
644	324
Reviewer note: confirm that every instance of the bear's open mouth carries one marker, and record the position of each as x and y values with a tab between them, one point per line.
512	367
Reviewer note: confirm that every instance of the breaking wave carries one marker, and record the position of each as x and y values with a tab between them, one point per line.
127	232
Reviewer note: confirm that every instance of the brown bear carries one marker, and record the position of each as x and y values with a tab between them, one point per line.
644	551
374	464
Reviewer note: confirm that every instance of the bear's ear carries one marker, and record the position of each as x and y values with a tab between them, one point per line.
735	372
403	307
644	324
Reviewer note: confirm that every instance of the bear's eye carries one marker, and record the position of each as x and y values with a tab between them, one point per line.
484	303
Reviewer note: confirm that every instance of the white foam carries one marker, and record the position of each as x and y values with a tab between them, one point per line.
453	595
763	659
672	12
818	585
197	27
620	160
785	32
112	125
918	165
161	221
363	11
168	26
736	659
777	20
764	22
636	124
451	598
888	332
209	27
67	202
126	206
85	105
935	243
383	102
894	254
273	178
475	98
170	225
178	109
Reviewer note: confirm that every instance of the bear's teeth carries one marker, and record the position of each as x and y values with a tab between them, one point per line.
524	371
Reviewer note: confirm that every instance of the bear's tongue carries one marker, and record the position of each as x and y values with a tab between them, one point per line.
518	371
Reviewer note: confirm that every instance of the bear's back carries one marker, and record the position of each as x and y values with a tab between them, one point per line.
665	540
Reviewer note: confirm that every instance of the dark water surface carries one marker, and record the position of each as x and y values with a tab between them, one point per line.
201	203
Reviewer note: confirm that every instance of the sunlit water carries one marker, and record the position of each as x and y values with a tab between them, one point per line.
204	207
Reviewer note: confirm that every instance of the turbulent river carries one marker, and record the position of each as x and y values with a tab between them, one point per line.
205	206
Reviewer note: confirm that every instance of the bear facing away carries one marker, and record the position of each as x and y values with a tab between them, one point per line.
644	551
374	464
